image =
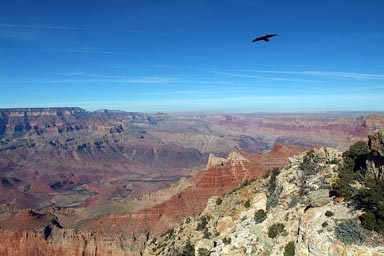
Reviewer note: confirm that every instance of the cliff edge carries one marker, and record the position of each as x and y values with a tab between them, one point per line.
291	212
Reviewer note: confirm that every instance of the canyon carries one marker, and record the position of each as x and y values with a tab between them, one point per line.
75	182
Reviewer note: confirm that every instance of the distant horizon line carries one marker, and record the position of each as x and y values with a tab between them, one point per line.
297	112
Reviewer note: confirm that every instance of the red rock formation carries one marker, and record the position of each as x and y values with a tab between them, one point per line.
220	177
62	242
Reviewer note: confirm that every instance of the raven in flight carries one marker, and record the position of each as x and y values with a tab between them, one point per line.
265	38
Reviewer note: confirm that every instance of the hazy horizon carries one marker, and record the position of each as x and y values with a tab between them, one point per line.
193	57
288	112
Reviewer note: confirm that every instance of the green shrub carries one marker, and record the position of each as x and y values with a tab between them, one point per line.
275	230
353	169
188	220
273	195
325	224
380	225
206	234
334	161
204	252
260	216
310	164
371	199
266	175
203	221
227	240
247	204
355	157
272	201
368	220
219	201
293	202
272	183
188	249
329	214
342	187
289	249
350	233
372	196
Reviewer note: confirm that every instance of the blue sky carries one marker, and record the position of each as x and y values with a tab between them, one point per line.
192	56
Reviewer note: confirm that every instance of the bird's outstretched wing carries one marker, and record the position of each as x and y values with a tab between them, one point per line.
258	39
265	38
271	35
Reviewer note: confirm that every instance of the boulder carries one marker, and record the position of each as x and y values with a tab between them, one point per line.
319	197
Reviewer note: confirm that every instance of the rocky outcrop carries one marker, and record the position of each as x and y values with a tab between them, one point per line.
375	159
248	222
376	143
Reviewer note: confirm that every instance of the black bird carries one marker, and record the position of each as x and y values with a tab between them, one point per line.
265	38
